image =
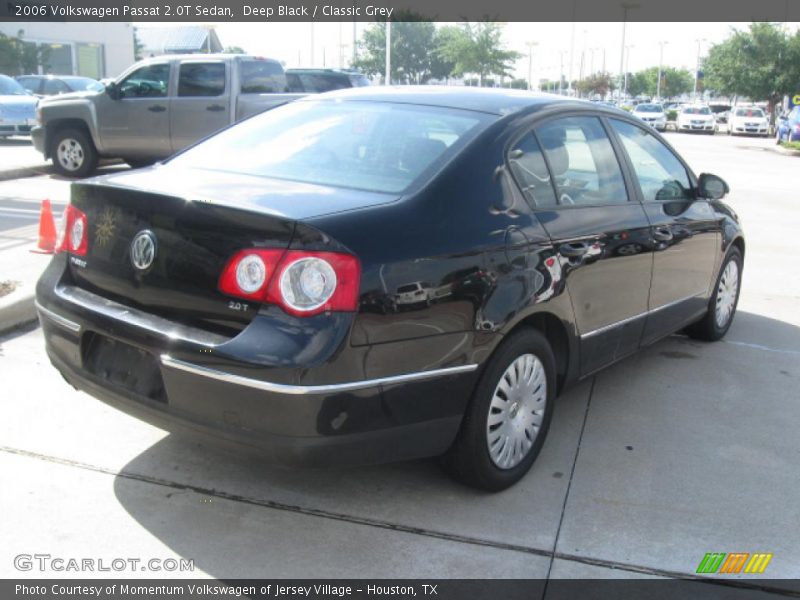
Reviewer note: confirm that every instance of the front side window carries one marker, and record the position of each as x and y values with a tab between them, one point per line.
151	81
379	146
582	162
661	175
201	79
31	84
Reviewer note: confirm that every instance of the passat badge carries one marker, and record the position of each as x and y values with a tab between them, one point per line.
143	250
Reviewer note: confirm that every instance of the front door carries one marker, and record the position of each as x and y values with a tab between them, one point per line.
202	104
686	236
137	124
601	233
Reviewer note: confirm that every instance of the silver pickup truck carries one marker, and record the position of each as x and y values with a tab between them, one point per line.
155	108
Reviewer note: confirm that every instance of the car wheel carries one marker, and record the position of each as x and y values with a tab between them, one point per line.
73	153
507	420
722	307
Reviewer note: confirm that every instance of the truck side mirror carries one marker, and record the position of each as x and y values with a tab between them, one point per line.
113	90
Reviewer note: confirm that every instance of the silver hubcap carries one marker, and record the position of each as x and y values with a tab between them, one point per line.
726	293
516	411
70	154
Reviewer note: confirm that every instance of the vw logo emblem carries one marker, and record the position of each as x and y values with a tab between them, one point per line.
143	250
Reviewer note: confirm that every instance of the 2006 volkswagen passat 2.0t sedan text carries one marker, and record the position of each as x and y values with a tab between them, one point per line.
382	274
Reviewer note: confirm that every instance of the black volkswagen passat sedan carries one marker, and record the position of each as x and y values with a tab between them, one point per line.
383	274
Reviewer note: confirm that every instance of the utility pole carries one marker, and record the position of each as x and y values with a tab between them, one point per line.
660	66
531	45
571	51
561	73
311	58
627	65
388	79
626	6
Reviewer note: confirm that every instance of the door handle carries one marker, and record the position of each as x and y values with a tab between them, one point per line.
156	108
573	249
662	234
215	107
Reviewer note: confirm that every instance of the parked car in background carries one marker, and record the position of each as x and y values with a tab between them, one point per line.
652	114
156	108
748	121
52	85
235	291
17	108
788	129
316	81
696	118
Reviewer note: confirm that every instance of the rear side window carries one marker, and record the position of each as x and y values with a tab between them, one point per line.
31	84
379	146
530	170
661	175
262	77
582	162
201	79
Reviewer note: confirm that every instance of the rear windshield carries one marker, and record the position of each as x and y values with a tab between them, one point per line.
697	110
379	146
262	77
9	87
753	113
649	108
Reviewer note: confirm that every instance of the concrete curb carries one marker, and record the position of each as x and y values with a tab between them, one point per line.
16	310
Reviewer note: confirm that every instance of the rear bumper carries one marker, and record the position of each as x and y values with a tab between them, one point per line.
288	418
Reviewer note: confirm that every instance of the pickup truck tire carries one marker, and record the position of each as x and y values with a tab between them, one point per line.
73	153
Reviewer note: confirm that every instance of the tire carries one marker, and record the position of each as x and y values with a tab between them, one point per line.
710	328
73	153
469	459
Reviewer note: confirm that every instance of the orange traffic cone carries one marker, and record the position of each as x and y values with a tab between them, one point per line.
47	230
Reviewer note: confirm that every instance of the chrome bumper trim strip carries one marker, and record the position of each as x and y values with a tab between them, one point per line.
282	388
57	319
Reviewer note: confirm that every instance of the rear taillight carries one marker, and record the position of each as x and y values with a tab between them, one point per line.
74	232
301	283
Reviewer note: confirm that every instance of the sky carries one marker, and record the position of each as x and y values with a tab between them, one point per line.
291	43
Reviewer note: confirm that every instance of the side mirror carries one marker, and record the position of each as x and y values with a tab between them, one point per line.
711	187
113	90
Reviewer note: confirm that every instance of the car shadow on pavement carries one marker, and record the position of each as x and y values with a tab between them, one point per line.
237	516
15	141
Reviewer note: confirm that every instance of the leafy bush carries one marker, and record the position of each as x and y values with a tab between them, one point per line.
672	115
791	145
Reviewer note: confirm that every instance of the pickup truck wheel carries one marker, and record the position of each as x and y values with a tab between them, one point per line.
73	153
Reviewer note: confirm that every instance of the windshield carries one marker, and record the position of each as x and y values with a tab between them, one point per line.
753	113
649	108
83	84
380	146
697	110
9	87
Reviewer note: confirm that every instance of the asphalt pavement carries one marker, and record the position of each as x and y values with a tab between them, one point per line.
683	449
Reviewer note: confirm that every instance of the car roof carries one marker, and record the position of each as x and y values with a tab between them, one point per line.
488	100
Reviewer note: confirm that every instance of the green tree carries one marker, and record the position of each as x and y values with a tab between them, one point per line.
234	50
138	48
596	84
478	49
412	42
762	63
441	67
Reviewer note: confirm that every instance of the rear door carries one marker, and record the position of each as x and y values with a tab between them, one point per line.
686	235
600	231
202	104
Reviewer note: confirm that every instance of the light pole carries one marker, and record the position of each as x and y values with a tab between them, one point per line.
561	73
311	63
531	45
627	64
626	6
388	77
697	66
660	64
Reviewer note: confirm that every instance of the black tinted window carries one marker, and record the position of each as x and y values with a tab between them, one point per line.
530	170
262	77
582	162
151	81
201	79
661	175
316	83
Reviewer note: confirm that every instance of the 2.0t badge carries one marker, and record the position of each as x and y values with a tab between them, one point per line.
143	250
